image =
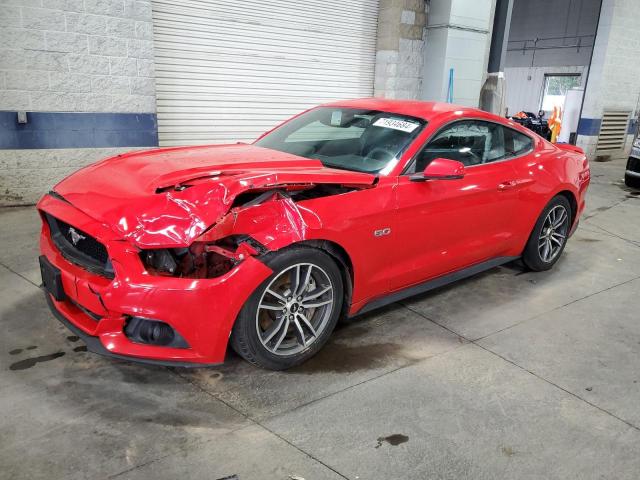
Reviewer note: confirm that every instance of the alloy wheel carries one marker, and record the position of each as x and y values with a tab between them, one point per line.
294	309
553	233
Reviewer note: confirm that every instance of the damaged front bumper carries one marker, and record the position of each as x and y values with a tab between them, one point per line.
98	308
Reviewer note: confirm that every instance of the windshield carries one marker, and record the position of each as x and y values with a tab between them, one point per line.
348	138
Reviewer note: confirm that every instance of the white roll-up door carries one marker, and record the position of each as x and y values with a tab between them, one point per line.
229	70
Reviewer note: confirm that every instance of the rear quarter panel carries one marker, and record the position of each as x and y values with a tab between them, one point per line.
552	171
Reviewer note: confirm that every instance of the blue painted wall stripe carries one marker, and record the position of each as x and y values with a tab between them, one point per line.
591	126
78	130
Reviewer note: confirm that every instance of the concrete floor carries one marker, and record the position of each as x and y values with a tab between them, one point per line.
506	375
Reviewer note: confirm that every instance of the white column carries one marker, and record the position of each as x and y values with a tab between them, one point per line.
458	37
614	76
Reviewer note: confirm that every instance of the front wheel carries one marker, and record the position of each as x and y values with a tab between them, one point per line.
291	315
549	236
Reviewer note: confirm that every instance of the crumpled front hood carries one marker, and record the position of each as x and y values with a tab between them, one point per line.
169	197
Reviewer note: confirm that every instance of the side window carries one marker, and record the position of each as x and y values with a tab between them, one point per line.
471	142
516	143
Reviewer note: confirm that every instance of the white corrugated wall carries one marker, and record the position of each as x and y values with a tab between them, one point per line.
525	84
229	70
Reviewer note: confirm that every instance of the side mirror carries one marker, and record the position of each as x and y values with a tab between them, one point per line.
440	169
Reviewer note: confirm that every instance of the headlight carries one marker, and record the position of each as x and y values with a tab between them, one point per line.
636	142
200	260
164	261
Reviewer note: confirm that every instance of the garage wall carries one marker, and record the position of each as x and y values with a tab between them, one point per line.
525	84
399	49
82	70
614	83
557	25
229	72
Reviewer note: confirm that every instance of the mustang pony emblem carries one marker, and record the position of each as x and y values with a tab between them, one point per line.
75	236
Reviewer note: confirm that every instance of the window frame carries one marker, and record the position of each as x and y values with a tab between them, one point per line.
551	74
412	161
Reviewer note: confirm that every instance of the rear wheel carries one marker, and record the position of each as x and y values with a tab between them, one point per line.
290	316
549	236
631	181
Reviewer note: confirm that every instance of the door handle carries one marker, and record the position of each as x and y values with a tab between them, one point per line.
507	185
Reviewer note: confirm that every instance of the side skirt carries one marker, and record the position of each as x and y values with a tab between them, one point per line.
433	284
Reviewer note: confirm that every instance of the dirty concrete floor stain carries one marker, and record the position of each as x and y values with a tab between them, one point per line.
30	362
337	357
17	351
82	348
508	451
393	440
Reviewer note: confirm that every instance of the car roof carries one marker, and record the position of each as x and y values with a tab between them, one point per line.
414	108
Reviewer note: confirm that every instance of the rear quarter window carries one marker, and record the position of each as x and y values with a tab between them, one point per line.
516	143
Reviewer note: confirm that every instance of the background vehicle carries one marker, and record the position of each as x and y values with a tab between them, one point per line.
161	255
533	122
632	172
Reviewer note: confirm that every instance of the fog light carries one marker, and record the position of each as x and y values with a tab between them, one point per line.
153	332
158	333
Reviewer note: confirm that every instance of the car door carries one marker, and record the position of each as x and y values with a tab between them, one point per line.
446	225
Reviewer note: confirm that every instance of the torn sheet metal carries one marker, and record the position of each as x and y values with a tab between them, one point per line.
168	198
274	223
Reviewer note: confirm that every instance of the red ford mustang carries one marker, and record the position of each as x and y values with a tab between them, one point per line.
166	256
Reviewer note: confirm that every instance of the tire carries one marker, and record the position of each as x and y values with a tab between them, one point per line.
536	256
632	182
277	330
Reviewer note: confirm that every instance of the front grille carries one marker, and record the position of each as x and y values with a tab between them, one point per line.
79	247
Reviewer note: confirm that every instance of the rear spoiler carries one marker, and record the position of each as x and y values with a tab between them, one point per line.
570	148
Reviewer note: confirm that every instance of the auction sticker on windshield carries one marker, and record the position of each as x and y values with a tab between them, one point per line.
396	124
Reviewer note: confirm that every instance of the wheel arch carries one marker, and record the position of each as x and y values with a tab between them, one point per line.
342	258
573	202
